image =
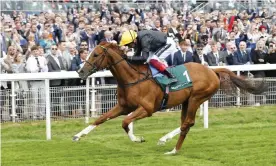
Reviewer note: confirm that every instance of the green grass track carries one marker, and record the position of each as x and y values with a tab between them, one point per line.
236	136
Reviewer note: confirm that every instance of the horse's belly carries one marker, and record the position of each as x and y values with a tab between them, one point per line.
178	97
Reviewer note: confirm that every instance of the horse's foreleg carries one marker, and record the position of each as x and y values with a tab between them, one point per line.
113	113
139	113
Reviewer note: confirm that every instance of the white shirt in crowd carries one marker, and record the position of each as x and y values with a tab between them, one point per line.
32	67
56	59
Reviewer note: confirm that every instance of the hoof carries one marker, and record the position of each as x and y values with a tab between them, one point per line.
76	139
173	152
140	139
161	142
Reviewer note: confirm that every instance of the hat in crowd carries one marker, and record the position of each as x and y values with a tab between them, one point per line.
261	27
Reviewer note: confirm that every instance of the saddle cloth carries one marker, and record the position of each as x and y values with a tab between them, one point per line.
180	72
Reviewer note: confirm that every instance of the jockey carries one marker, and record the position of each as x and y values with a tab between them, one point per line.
152	47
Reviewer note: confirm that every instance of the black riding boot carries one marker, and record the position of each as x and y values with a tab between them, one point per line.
170	75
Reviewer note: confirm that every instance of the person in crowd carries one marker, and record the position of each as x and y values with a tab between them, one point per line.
157	26
258	57
21	87
228	54
55	64
83	45
199	56
271	59
19	66
78	61
180	35
5	67
37	64
242	55
64	55
108	36
182	56
172	31
215	57
165	30
253	36
45	42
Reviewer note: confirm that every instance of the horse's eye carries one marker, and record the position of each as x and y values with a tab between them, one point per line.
96	55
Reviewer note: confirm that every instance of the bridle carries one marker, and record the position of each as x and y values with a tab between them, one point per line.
101	59
96	68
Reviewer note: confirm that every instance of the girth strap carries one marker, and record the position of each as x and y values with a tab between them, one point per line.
165	98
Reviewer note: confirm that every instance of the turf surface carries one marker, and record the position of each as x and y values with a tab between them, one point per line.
244	136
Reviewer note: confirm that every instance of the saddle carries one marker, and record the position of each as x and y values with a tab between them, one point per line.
182	75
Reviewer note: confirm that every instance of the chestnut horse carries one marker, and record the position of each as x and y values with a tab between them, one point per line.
139	94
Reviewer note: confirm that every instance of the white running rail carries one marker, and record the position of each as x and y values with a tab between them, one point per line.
69	75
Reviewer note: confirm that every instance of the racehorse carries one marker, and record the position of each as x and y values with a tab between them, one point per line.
141	96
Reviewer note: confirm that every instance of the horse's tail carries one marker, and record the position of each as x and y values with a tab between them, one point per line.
230	79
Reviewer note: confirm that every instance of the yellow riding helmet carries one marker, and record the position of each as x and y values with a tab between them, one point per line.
128	37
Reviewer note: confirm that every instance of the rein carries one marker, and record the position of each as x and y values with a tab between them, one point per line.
96	68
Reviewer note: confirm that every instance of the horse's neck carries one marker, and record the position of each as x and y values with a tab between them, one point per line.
123	73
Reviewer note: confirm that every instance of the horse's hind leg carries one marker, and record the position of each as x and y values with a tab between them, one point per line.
139	113
169	136
188	120
176	131
113	113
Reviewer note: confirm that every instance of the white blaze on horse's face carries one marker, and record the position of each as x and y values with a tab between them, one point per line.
83	64
85	68
88	56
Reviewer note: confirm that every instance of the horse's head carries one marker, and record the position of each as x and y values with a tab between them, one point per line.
100	58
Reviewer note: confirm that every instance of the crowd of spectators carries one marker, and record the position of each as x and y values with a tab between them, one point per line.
225	37
57	42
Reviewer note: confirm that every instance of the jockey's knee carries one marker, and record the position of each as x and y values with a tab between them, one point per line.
153	61
158	65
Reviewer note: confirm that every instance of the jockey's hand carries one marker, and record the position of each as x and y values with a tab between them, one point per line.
124	48
114	42
129	53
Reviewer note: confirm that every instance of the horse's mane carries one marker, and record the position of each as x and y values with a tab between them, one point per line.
116	48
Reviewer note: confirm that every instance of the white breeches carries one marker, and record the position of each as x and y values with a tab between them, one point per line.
169	51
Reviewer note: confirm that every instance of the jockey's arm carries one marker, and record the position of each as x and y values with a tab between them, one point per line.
139	59
142	53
